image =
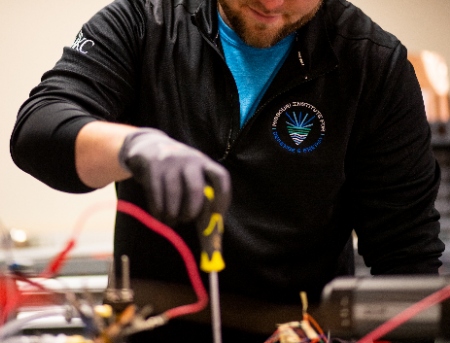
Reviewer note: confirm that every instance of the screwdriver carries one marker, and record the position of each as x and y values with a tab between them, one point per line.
210	228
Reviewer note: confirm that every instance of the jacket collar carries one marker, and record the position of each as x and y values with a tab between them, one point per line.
205	17
313	42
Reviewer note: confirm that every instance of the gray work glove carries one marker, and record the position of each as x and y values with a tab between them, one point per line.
173	175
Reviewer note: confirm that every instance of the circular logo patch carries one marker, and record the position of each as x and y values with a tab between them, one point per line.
298	127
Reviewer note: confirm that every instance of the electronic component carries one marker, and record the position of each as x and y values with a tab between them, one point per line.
119	299
305	331
353	307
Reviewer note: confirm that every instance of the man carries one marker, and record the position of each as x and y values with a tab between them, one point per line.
307	112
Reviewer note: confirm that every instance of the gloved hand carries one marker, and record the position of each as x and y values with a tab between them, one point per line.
173	175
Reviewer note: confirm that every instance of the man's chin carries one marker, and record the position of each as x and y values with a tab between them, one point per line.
260	39
261	44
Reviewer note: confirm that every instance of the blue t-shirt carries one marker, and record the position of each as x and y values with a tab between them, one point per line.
253	68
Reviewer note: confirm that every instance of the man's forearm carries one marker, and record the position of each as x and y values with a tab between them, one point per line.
96	153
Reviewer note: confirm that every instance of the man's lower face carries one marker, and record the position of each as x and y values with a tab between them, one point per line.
263	23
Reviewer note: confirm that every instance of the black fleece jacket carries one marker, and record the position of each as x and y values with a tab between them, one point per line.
365	164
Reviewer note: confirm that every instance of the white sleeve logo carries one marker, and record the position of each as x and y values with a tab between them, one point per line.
82	44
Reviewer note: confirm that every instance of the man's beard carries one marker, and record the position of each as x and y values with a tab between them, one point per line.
260	35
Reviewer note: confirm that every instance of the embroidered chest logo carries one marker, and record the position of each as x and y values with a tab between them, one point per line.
82	44
298	127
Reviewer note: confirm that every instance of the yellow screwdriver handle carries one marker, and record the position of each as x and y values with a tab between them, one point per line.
210	227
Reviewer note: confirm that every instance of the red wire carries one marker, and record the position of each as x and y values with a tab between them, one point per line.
58	262
15	300
406	315
183	250
12	300
126	207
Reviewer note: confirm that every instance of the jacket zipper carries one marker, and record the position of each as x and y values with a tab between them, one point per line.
213	44
230	144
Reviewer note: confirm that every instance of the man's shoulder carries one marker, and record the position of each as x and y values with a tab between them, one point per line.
350	23
156	11
189	5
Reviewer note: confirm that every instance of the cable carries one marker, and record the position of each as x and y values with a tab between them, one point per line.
58	262
156	226
16	296
54	266
433	299
151	223
15	326
183	250
9	296
12	297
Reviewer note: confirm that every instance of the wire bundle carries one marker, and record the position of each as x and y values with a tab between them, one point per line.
10	297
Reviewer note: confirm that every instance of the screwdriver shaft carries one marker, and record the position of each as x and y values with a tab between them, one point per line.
215	307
